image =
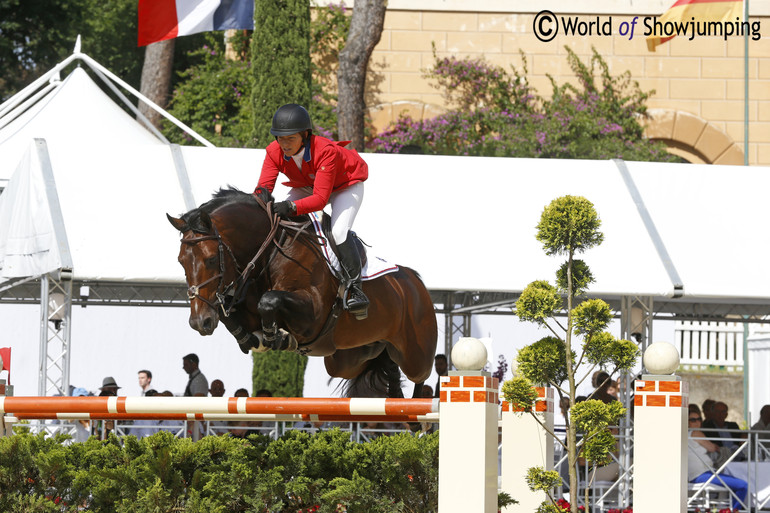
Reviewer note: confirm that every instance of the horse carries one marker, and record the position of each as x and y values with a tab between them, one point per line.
267	280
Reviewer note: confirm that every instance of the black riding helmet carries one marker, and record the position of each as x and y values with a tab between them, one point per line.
290	119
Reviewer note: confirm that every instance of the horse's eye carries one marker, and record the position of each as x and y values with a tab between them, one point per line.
211	262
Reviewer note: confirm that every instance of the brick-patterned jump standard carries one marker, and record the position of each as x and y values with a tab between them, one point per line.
660	444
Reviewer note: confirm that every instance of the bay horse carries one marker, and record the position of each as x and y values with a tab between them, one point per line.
267	280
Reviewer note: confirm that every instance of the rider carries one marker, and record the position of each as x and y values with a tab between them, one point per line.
320	171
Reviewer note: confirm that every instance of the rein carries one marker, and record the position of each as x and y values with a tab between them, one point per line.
238	287
193	291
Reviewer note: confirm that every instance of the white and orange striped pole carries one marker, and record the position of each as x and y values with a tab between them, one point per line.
467	465
660	434
222	408
526	444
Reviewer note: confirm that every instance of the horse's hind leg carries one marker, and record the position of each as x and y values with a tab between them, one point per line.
349	363
370	371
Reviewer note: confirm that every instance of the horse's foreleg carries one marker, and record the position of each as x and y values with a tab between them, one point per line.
275	308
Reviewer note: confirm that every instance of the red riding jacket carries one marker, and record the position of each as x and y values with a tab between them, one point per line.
326	166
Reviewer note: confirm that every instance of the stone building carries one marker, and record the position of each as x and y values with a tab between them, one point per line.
698	105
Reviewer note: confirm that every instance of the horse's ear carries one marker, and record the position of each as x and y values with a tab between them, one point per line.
205	221
177	223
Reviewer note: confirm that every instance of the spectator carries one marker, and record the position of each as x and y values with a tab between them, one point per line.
174	425
217	388
82	426
700	454
706	407
145	380
109	387
426	428
442	367
146	427
244	428
763	424
218	427
601	382
718	429
263	392
197	385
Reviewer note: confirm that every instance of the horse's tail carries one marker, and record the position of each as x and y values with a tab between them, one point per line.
380	378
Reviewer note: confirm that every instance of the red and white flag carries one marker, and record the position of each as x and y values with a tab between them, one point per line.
5	355
692	11
166	19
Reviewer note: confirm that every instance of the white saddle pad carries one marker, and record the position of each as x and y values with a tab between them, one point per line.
375	266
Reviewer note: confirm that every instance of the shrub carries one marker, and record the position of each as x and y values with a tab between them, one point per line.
325	472
494	113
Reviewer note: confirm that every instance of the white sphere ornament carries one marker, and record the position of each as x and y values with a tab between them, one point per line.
661	358
469	354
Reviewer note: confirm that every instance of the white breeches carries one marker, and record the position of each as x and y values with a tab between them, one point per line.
345	205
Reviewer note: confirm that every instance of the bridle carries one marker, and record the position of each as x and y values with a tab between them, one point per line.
237	288
193	291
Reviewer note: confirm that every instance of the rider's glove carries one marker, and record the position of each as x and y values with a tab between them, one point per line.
263	194
284	208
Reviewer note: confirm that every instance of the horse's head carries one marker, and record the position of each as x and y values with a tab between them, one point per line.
214	237
202	255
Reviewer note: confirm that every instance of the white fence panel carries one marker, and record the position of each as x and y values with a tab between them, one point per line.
718	344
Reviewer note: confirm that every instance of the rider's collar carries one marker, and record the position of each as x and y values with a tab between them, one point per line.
306	156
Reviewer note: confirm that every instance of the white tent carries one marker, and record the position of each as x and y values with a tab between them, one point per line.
75	111
691	237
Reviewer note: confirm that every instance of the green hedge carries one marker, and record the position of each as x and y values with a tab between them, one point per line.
325	472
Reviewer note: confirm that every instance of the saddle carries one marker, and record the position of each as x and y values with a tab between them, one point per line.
326	226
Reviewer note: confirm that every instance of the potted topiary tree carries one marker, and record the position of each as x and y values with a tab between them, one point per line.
569	225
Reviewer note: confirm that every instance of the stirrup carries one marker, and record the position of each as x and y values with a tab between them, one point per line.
356	302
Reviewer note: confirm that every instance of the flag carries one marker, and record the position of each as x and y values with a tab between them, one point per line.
166	19
5	354
692	11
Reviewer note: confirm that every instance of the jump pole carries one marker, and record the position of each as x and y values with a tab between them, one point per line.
221	408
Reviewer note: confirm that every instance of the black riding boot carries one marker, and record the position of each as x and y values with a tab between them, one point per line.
357	302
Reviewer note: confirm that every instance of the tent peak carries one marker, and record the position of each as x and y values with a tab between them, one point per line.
21	101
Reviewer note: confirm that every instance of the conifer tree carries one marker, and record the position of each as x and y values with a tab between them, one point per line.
280	60
281	372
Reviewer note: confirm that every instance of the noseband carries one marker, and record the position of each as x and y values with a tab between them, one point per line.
193	292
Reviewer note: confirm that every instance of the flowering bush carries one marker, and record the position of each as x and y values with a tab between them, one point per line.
564	506
697	510
495	113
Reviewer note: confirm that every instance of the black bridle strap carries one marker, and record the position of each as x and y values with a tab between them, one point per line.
240	284
193	291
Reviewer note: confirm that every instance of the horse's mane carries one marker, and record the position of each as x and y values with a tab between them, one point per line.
224	196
